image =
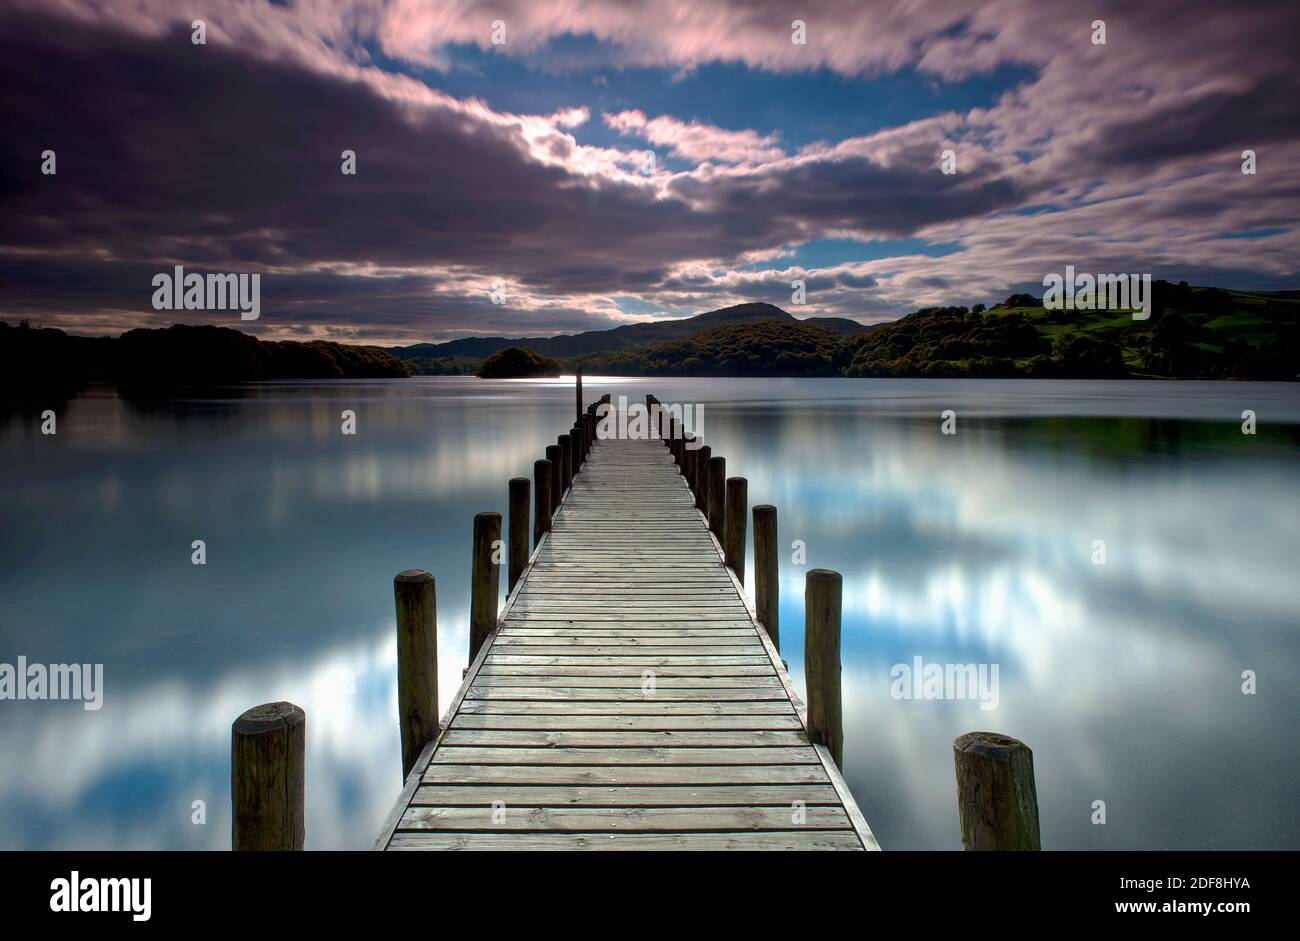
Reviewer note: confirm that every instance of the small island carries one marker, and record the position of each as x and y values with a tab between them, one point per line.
517	362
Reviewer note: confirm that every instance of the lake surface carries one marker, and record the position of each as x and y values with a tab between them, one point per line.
1125	677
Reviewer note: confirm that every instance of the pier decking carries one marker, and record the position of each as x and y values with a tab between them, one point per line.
628	699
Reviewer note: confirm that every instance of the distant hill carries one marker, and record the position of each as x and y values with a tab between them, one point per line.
767	348
45	359
436	358
1193	333
518	363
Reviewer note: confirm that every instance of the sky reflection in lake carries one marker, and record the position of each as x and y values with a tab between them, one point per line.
977	548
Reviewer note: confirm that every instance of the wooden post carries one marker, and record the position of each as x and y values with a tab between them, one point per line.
578	411
520	497
555	454
485	580
733	528
417	662
579	447
702	479
542	471
268	750
566	462
822	598
997	801
766	580
717	494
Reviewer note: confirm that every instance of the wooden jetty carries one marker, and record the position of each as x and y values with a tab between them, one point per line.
627	698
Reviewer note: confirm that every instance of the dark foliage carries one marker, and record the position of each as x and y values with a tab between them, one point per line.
770	348
32	359
516	362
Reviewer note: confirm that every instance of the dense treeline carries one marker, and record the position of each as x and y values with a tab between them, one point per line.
518	363
1193	333
766	348
43	359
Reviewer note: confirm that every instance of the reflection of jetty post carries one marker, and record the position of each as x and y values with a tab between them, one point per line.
268	747
997	800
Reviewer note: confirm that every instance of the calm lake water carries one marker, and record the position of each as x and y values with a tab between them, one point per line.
1125	678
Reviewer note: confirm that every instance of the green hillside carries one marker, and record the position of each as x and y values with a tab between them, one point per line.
1193	333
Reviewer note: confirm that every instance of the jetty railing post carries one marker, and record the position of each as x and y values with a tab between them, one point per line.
702	479
555	454
766	579
578	411
997	800
416	599
822	598
566	462
520	497
485	580
733	530
541	499
717	494
575	433
268	751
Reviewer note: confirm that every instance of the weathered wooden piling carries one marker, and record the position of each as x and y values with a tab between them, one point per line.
485	579
717	494
578	384
541	499
702	479
767	599
997	801
822	598
415	595
268	751
575	433
566	462
733	529
555	454
520	497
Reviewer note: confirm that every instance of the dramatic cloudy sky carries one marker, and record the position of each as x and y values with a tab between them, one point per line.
523	163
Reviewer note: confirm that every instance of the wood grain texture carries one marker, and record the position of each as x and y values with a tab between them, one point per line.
627	699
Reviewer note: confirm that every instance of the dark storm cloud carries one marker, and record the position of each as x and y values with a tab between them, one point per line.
170	152
226	157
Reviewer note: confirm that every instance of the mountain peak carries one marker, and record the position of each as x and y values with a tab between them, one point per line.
755	310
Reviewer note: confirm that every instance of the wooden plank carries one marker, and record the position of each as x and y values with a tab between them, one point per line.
590	708
605	738
624	776
658	695
501	819
677	842
624	722
681	795
631	682
776	755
